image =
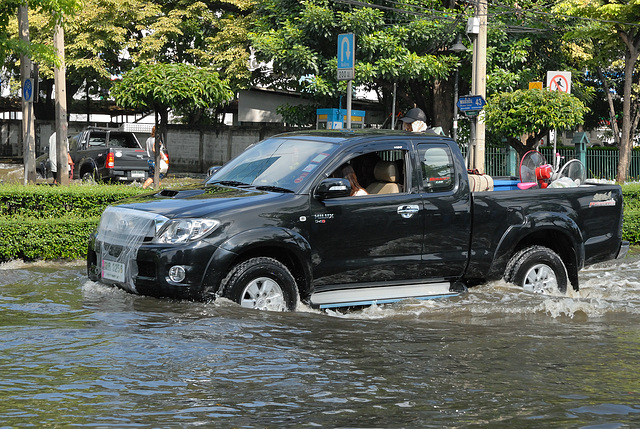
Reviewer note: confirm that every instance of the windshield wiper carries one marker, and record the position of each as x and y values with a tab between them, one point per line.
274	189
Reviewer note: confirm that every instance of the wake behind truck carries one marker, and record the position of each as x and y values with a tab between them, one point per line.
278	225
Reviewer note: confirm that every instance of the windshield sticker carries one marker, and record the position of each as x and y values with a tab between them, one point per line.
602	200
309	168
318	159
301	178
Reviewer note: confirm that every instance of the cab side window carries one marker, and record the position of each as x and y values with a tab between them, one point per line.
381	172
437	168
375	173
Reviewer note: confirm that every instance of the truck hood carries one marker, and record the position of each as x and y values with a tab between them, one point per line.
199	201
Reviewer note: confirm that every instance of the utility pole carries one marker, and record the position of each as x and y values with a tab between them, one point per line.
28	118
479	83
61	106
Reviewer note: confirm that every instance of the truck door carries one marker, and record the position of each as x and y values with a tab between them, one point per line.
447	213
372	238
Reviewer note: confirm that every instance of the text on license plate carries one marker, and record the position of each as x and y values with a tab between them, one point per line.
137	173
112	270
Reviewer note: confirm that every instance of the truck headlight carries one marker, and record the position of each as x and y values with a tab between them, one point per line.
185	230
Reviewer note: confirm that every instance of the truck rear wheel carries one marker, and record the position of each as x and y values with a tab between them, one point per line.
90	177
262	284
537	269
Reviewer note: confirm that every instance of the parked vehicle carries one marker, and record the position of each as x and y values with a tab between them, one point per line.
276	225
103	154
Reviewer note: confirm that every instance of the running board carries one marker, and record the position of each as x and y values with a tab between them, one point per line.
380	295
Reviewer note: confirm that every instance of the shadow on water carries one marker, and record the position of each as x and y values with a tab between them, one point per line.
78	353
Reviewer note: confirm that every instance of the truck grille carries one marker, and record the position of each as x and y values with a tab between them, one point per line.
127	227
121	231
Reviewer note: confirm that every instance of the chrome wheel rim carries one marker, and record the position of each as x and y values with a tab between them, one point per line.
540	279
263	293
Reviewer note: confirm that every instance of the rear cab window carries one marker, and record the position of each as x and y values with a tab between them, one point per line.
436	165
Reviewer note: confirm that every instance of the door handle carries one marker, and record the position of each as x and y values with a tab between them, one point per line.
408	210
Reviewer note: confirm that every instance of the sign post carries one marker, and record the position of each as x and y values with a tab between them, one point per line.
346	66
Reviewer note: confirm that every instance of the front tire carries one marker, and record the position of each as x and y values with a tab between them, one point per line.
262	284
537	269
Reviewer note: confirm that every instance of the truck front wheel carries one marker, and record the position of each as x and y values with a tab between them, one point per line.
262	284
537	269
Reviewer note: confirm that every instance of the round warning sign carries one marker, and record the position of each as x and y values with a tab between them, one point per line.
559	81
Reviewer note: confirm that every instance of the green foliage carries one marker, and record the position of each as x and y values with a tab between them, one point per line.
59	202
300	115
52	222
392	45
9	44
161	86
31	239
531	112
631	224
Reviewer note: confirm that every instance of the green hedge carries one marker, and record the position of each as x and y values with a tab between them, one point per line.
631	224
43	201
53	222
31	239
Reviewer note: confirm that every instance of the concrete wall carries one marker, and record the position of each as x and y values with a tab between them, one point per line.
191	150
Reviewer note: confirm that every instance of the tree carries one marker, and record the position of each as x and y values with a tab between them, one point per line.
107	38
163	87
10	44
612	28
525	116
404	44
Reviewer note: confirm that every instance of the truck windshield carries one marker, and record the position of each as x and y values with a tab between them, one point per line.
276	162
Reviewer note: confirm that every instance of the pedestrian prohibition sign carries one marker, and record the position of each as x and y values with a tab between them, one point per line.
559	81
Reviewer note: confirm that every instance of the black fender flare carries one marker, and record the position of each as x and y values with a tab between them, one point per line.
264	241
557	231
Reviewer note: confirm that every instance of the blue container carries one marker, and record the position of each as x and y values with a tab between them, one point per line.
505	183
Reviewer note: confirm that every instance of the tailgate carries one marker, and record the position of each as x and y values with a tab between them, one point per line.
132	163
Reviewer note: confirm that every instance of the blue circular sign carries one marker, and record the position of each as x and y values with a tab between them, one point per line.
27	91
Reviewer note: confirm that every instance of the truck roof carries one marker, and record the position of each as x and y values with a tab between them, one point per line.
351	136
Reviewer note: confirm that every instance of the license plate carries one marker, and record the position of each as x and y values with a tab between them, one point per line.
137	173
112	270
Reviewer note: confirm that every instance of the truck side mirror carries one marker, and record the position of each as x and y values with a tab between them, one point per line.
332	188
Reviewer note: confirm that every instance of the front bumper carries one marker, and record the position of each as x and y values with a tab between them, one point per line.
148	273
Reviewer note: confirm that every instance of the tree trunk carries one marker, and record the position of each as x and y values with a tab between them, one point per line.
632	41
612	110
443	105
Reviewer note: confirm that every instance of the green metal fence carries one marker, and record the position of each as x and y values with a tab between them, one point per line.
601	163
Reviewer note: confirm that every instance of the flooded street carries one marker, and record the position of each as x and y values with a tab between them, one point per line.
76	353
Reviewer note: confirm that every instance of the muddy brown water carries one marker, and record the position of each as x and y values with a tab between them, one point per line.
77	353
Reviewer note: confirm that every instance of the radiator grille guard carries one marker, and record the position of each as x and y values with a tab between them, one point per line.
121	231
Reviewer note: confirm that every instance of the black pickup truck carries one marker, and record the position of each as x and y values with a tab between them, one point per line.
277	225
104	154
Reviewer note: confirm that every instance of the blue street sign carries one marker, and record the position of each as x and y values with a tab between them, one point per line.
346	56
27	90
471	103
